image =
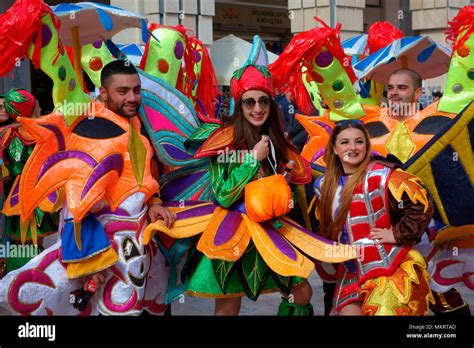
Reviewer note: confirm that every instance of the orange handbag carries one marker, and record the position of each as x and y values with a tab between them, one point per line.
268	198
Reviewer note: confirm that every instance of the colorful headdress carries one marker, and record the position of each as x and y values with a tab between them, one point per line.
19	102
459	87
163	58
251	77
318	55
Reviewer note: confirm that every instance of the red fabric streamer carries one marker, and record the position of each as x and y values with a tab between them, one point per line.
208	87
189	61
382	34
464	21
180	80
18	27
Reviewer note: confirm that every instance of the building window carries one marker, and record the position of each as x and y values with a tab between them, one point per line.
373	3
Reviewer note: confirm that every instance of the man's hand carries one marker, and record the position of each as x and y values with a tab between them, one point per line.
157	211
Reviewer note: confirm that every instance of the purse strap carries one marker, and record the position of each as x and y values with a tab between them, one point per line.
273	154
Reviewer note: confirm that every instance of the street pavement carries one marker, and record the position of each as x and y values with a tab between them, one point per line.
268	304
265	305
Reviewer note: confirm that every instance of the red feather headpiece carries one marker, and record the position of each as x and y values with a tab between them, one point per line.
208	87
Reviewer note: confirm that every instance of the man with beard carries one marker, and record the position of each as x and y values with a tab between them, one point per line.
102	167
121	88
121	93
403	92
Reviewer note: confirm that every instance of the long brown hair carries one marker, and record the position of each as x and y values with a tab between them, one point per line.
334	170
247	135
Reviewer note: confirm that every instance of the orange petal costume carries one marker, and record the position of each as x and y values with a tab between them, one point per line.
88	167
103	157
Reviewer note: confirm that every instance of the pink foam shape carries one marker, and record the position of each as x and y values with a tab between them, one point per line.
160	122
29	276
118	308
465	278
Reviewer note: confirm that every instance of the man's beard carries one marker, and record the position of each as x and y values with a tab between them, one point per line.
121	111
402	109
124	113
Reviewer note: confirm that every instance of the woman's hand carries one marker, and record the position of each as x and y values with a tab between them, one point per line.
157	211
382	235
261	149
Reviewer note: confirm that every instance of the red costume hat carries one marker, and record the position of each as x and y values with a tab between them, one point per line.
19	102
251	77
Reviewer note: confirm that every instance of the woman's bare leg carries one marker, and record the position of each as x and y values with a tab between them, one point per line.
301	295
298	303
227	306
354	308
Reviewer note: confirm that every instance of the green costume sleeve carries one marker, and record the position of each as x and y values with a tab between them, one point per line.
229	180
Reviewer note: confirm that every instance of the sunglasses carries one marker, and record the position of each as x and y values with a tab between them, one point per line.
250	103
344	123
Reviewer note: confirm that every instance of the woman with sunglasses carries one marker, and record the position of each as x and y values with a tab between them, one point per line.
249	246
383	211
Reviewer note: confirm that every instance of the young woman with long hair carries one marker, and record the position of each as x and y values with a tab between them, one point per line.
383	211
248	245
258	147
